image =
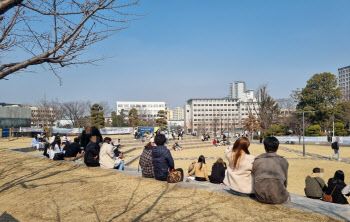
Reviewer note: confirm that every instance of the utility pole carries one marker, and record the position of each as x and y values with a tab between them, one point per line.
333	128
303	112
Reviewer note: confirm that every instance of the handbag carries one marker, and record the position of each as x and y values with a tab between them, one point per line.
58	156
174	176
328	198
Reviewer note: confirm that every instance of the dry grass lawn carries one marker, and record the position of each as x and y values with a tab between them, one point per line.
299	166
36	189
322	150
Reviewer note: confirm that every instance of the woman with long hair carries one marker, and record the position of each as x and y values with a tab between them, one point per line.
200	170
218	172
54	148
335	187
239	173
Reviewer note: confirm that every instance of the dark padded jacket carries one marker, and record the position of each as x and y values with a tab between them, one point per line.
72	150
92	150
334	189
162	161
217	173
85	137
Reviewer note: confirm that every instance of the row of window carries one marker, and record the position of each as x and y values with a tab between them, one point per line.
225	119
220	114
139	106
215	104
211	110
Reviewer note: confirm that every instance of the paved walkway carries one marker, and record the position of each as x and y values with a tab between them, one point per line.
313	155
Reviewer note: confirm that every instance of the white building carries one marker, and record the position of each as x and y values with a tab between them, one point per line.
221	115
218	114
146	110
238	90
344	81
178	114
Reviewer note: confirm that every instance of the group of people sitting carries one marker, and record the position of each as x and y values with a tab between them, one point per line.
264	177
89	147
316	188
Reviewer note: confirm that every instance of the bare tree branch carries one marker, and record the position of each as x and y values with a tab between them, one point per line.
56	33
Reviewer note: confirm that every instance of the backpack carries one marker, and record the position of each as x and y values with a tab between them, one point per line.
335	146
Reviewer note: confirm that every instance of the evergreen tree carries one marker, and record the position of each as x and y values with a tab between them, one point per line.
133	117
97	116
161	121
321	94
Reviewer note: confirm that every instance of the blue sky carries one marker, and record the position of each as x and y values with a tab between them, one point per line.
189	48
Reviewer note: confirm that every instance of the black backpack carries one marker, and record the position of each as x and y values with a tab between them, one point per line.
335	146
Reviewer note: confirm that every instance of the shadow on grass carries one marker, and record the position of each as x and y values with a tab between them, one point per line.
7	217
31	177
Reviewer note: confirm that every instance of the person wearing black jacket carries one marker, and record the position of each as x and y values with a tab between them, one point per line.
162	160
218	172
88	133
335	187
92	151
73	151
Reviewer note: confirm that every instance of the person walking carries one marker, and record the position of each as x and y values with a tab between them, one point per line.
335	147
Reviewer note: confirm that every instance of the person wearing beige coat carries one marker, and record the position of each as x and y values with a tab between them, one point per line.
240	178
107	156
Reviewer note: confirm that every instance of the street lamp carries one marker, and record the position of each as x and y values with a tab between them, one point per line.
303	112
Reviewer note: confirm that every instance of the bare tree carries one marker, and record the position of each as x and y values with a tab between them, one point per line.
295	124
75	111
55	34
106	108
53	110
268	109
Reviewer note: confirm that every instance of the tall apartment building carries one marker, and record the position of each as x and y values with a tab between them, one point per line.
238	90
344	82
146	110
221	114
178	114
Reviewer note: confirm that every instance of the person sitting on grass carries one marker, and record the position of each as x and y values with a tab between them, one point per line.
54	148
107	157
118	157
35	143
73	151
218	172
217	142
92	152
271	174
239	173
200	170
315	185
335	187
163	162
146	160
177	147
